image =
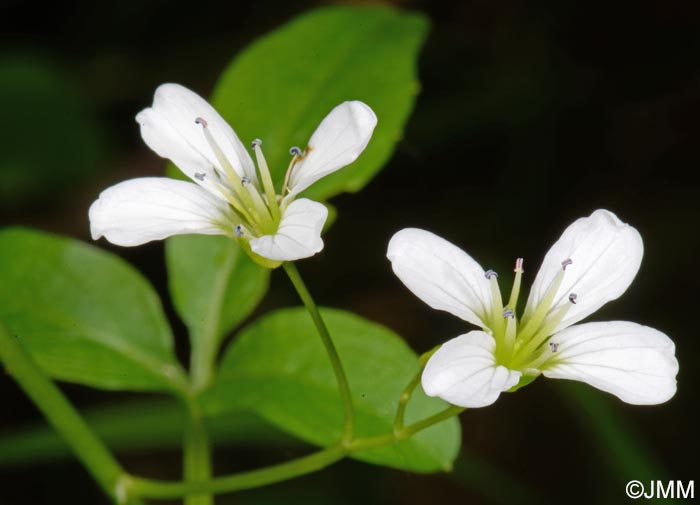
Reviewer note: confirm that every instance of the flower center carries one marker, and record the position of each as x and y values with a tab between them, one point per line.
256	207
520	341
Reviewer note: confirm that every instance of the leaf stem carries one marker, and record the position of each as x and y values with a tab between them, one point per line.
53	404
361	444
341	379
408	391
197	454
148	488
403	401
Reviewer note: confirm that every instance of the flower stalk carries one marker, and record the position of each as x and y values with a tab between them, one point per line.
341	379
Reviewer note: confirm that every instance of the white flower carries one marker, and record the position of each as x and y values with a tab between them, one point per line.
593	262
228	196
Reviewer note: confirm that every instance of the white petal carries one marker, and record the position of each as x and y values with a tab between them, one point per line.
634	362
338	141
298	235
441	274
169	128
464	372
605	254
137	211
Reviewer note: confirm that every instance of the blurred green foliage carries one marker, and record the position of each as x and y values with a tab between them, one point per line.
51	139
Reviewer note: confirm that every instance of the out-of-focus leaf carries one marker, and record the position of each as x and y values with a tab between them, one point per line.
622	450
50	140
214	286
138	426
282	86
492	482
277	367
84	314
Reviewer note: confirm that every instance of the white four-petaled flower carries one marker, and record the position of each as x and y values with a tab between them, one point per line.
593	262
229	196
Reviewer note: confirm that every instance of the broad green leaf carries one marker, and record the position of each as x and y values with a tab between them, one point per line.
282	86
214	286
84	314
277	368
137	426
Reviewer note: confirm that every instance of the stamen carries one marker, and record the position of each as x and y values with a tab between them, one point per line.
535	319
238	230
496	304
231	175
263	212
245	180
506	350
542	358
296	154
572	298
266	179
546	330
199	176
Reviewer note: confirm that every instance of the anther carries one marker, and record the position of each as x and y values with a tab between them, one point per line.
508	313
256	142
238	230
245	180
518	266
554	346
295	151
490	273
566	263
572	298
199	176
201	121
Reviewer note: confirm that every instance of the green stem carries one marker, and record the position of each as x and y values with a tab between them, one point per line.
240	481
408	390
277	473
89	449
197	454
340	377
403	401
361	444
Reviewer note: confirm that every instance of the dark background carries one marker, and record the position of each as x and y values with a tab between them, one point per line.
531	114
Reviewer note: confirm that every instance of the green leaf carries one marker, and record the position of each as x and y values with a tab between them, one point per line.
277	367
282	86
84	314
214	286
137	426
